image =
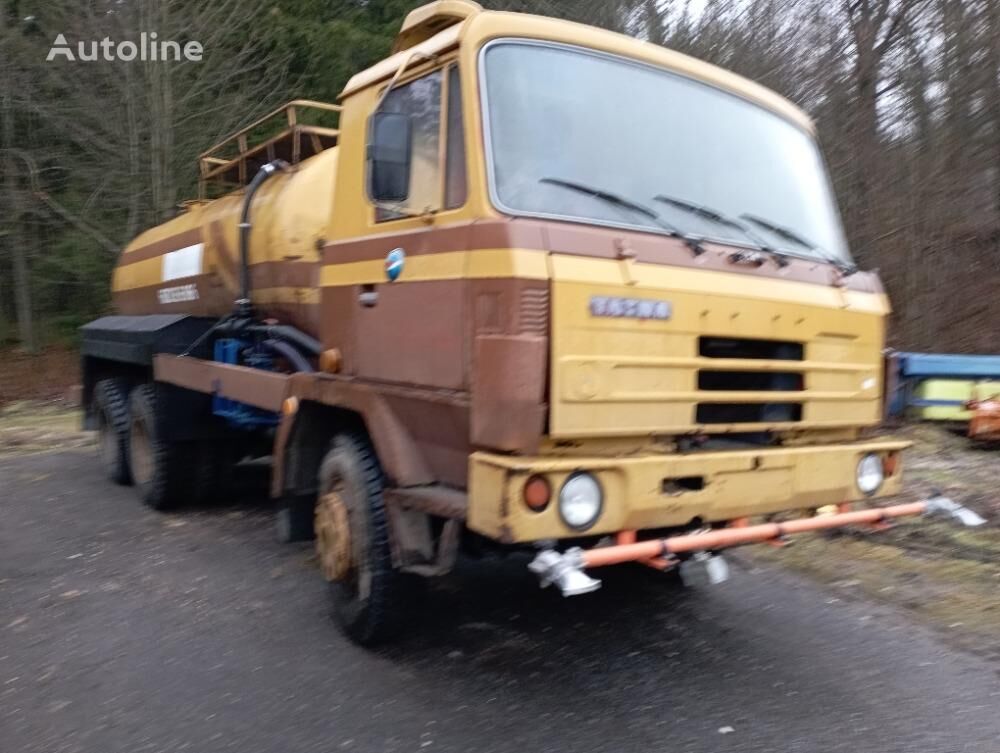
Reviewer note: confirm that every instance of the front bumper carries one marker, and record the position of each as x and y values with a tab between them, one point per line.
665	490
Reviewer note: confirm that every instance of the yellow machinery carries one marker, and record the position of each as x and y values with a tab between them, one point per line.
541	286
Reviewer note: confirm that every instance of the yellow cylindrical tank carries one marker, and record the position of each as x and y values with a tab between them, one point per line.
190	264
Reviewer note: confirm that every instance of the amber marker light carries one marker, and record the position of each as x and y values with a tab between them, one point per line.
890	464
537	493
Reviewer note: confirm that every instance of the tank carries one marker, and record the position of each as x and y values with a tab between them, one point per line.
191	263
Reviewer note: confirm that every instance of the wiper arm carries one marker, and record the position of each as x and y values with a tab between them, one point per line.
700	210
619	201
788	234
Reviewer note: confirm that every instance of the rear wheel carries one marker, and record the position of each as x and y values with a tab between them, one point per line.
371	599
111	408
167	474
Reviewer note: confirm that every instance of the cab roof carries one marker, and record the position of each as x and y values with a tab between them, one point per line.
442	26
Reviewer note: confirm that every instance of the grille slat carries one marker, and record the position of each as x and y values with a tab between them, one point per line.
747	413
747	348
745	380
534	311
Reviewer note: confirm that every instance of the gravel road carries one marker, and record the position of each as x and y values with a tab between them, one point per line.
125	630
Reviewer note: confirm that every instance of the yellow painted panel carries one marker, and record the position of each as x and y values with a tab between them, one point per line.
285	295
627	376
737	483
665	277
951	389
452	265
141	274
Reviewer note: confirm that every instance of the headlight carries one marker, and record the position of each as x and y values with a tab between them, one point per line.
870	474
580	501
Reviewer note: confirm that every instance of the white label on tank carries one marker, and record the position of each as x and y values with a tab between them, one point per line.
179	294
184	262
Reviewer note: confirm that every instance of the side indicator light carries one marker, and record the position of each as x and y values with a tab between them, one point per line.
537	493
890	464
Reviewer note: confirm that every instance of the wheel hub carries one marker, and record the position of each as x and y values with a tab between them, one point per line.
333	536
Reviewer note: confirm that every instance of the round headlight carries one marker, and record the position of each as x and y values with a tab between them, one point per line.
870	474
580	501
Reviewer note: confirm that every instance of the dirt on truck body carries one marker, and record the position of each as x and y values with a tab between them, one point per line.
543	286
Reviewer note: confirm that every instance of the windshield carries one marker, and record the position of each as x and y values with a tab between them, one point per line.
559	115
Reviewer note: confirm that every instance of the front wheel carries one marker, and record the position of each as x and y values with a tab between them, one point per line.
371	599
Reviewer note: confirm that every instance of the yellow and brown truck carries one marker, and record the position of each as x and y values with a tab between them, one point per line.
541	286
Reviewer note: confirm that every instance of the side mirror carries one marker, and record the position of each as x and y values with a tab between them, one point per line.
390	149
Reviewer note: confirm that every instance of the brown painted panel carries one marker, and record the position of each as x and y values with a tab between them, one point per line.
212	300
415	334
263	389
588	240
508	392
174	242
284	274
303	316
338	309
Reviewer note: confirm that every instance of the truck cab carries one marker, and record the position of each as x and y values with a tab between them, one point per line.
545	287
628	262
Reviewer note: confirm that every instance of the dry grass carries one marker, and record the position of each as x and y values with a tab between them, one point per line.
37	426
946	576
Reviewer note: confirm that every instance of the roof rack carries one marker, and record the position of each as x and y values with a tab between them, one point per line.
234	161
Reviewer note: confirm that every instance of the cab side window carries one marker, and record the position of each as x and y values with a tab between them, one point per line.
437	155
455	187
421	100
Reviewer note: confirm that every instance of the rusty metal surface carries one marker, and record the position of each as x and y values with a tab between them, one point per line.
434	500
262	389
508	392
984	425
333	536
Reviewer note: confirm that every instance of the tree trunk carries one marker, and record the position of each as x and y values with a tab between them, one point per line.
15	233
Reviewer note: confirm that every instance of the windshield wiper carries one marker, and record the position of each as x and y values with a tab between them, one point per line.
788	234
623	203
700	210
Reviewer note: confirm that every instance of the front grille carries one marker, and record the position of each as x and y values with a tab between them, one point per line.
749	380
752	381
747	413
733	347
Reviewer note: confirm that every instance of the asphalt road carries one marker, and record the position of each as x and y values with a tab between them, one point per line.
125	630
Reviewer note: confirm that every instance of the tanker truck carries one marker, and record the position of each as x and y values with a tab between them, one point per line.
530	286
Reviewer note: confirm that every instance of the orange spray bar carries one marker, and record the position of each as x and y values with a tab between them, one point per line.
730	537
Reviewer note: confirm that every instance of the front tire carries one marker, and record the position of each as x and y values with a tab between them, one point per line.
371	599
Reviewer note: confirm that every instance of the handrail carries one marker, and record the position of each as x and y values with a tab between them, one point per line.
213	165
288	108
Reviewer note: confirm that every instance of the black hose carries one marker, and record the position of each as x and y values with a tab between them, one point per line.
243	303
289	334
295	359
232	326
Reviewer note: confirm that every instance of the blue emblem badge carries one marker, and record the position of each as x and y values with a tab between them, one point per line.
394	264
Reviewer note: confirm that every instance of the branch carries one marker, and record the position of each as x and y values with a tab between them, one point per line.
57	208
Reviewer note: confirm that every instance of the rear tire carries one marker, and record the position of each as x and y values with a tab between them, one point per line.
111	409
371	599
166	474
